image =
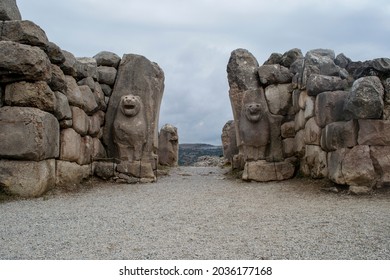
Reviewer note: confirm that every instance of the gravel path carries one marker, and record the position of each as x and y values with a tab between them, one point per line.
197	213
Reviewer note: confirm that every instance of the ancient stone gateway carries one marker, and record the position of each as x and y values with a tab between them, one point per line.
64	119
320	115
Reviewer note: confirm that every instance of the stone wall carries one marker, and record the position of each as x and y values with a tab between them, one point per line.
54	108
321	115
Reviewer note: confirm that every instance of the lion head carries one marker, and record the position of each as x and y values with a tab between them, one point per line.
130	105
253	112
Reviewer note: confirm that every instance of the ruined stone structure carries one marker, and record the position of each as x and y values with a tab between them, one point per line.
63	119
168	146
328	117
229	143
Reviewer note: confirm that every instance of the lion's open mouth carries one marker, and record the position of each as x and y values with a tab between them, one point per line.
129	107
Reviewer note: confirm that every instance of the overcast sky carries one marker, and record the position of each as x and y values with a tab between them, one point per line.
192	40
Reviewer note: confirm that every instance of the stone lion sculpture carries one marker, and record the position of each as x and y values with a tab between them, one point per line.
129	128
254	130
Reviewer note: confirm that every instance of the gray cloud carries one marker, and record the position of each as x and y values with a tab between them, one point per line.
192	40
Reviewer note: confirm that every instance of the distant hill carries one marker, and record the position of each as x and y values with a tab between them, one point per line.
189	153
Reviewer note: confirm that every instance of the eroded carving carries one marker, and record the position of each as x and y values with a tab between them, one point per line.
130	128
254	128
168	146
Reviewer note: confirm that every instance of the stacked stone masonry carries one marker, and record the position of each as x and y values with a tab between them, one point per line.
318	114
54	109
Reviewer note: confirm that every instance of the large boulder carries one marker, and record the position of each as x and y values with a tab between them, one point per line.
262	171
168	146
62	109
69	64
279	98
339	135
381	161
80	96
55	54
288	129
28	134
9	10
329	107
291	56
70	173
20	62
319	61
106	58
57	82
314	163
86	67
24	32
374	133
24	94
366	99
86	150
242	71
312	132
274	74
377	67
27	178
106	75
89	100
352	167
80	121
229	142
70	148
317	83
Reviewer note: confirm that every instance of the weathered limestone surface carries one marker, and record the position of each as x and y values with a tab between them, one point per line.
57	82
80	121
365	101
352	166
288	129
374	132
86	67
70	145
317	83
279	98
314	163
24	32
20	62
168	146
9	10
253	125
24	94
27	178
339	135
28	134
70	173
69	64
62	109
312	133
380	156
329	107
131	131
106	75
55	54
229	142
262	171
106	58
274	74
242	71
